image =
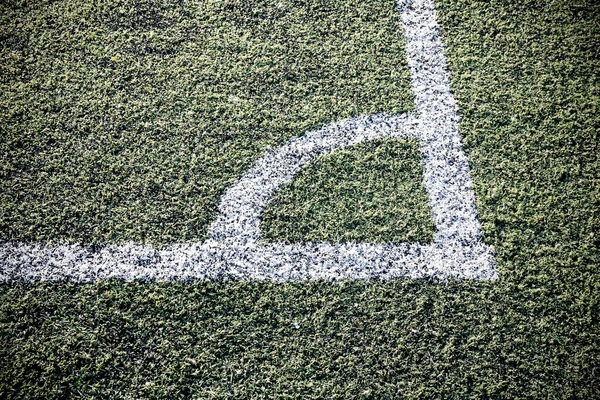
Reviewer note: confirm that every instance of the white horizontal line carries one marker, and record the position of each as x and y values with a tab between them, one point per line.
217	260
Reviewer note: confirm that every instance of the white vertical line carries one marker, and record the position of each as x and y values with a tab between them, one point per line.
447	176
426	59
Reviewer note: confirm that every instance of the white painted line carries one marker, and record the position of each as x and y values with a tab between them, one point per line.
218	260
241	206
234	250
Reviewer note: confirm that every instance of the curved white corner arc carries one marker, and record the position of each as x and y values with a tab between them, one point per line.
457	249
234	249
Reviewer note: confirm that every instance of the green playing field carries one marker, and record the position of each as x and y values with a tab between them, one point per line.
125	120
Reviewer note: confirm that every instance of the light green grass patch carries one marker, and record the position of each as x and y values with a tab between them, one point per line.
370	192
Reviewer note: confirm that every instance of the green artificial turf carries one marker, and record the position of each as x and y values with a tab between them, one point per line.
126	120
525	74
370	192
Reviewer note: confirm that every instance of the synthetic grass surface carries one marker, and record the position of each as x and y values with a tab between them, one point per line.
369	192
525	74
126	120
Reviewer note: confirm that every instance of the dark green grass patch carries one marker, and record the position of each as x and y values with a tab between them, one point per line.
125	120
405	339
369	192
525	74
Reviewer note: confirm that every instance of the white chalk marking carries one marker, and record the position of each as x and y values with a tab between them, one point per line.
234	250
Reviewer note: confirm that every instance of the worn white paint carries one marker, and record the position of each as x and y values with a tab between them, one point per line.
234	250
